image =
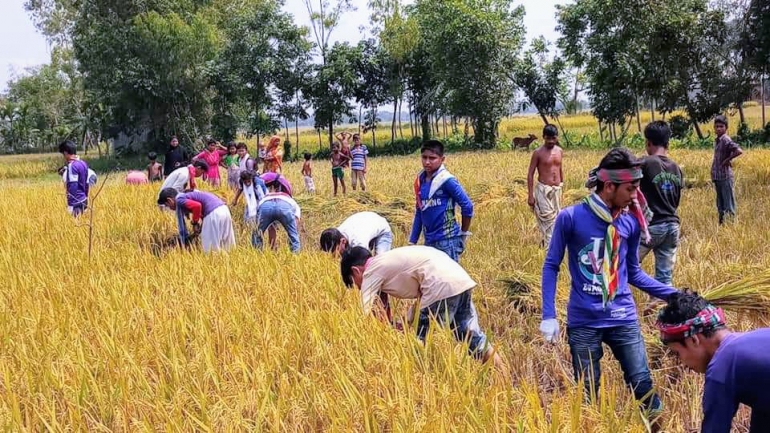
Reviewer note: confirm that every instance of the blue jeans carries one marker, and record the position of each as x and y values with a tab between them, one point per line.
725	198
381	244
453	247
664	239
460	313
276	211
627	346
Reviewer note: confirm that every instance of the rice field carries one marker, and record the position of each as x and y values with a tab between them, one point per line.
134	338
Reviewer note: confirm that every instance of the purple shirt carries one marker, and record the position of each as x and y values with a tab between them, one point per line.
208	201
582	233
724	148
76	179
738	373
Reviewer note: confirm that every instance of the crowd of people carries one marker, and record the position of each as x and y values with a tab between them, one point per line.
631	210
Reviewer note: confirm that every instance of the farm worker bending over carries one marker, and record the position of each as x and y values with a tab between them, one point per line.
442	286
75	178
737	365
362	229
183	179
545	197
602	241
436	193
209	214
278	206
662	187
253	189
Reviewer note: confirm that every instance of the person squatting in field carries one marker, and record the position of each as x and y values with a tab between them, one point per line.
736	364
209	215
362	229
75	177
601	237
436	193
441	286
183	179
545	197
661	184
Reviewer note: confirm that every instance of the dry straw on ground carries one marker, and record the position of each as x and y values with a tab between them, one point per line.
131	340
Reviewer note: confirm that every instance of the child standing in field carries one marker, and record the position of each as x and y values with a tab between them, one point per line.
210	218
261	153
75	177
545	197
437	192
344	140
338	161
245	161
307	174
212	156
230	162
359	163
155	169
725	150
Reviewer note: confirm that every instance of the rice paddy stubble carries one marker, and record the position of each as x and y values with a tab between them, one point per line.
132	341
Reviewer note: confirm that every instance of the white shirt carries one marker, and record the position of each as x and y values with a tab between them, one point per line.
283	197
177	179
414	272
360	228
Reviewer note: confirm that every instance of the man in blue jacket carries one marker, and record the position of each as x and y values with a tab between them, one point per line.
601	236
436	193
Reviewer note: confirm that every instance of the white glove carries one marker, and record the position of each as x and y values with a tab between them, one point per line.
550	330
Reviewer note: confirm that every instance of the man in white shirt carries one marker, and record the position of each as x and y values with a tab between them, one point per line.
441	285
181	180
362	229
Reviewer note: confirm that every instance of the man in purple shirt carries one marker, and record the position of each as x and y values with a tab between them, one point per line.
601	308
725	150
75	179
737	365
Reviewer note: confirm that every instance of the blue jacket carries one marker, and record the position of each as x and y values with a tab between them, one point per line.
434	214
582	233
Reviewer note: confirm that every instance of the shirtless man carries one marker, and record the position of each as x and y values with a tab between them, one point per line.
545	197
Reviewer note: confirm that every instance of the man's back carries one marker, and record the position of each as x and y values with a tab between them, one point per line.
662	187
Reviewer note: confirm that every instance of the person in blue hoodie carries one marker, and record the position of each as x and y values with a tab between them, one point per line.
601	236
437	192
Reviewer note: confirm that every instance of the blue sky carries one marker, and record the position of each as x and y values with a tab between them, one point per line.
21	46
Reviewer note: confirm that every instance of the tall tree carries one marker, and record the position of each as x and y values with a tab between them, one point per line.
471	45
541	79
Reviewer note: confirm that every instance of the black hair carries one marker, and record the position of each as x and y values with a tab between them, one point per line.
434	146
721	119
247	174
356	256
308	156
241	145
68	147
330	240
174	137
617	159
683	306
152	155
232	144
550	131
167	194
211	140
356	135
658	133
201	164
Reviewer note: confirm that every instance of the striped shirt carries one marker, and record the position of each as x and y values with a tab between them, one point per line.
358	156
724	148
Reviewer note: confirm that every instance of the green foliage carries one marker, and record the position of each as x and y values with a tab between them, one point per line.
541	80
680	126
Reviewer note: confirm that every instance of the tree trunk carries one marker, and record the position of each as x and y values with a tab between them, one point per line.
400	106
542	116
286	126
320	146
360	113
740	112
652	109
331	132
425	122
638	115
762	94
296	131
601	131
411	118
697	129
466	133
85	145
393	124
443	120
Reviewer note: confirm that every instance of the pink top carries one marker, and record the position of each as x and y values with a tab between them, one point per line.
136	178
212	159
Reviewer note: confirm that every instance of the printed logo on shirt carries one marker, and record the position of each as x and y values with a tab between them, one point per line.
666	181
591	266
431	203
618	313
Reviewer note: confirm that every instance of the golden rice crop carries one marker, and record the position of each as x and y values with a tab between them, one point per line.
131	340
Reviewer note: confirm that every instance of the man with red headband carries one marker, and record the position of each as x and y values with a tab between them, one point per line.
737	365
601	236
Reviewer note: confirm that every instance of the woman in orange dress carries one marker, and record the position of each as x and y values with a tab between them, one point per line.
274	155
